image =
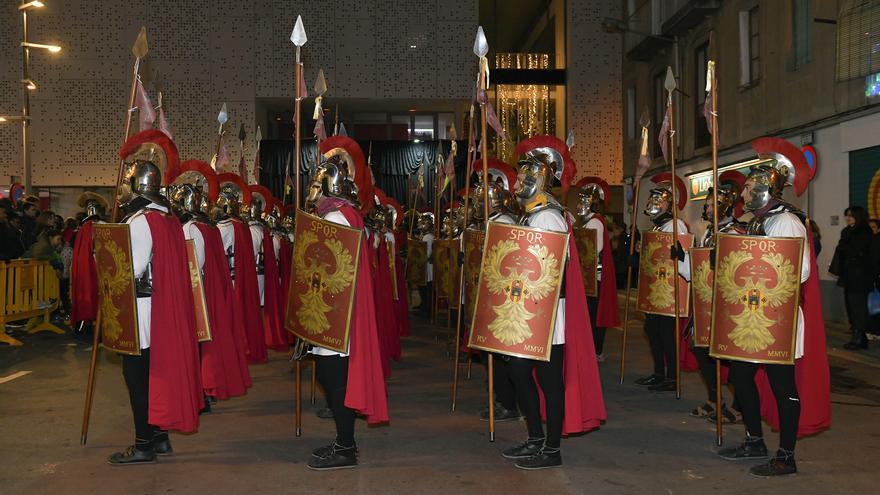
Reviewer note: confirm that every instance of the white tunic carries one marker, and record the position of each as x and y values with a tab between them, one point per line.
684	267
257	239
335	217
227	235
789	225
141	255
596	224
429	266
192	232
551	219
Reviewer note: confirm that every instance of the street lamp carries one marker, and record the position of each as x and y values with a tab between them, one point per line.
28	85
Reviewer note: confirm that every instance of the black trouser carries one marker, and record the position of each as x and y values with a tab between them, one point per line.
505	393
661	337
425	294
136	371
707	370
857	309
598	333
781	377
332	374
550	378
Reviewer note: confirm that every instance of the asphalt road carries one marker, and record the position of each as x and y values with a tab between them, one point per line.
648	445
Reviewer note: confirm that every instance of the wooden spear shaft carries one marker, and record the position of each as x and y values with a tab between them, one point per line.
675	291
131	98
297	110
90	385
629	271
713	98
461	308
484	156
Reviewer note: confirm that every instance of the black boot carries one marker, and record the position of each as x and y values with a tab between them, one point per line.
134	455
546	458
782	464
338	457
650	380
858	342
162	444
524	450
751	448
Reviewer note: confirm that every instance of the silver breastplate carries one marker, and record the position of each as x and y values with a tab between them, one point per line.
230	260
144	284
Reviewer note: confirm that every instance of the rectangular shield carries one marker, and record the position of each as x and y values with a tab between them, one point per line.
117	311
656	272
203	326
701	288
585	240
518	291
757	294
416	263
446	277
473	257
326	259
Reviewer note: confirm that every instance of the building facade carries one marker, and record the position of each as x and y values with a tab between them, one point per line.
801	70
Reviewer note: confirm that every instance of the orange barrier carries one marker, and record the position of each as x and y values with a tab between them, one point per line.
29	289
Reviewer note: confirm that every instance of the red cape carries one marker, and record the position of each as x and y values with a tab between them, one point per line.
608	314
247	292
811	371
83	277
224	364
365	390
584	403
175	379
389	333
276	337
285	257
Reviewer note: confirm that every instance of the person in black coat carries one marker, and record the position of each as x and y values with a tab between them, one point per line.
856	273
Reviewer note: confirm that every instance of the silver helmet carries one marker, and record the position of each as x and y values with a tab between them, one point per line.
186	198
659	203
229	201
590	199
141	185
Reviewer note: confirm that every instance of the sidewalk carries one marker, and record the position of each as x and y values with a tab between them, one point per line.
837	334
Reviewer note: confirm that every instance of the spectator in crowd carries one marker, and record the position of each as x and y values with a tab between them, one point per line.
47	248
11	246
874	325
68	236
855	272
45	221
29	212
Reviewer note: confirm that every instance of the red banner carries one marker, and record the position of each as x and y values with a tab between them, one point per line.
585	240
117	312
656	273
203	326
325	267
757	294
518	291
701	286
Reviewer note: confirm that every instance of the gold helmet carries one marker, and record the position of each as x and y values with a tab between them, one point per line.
195	188
233	198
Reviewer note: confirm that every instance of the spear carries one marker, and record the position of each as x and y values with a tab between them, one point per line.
298	37
336	121
139	50
644	163
669	84
258	138
222	117
320	88
712	101
242	168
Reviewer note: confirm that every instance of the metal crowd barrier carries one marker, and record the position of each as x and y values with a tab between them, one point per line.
29	290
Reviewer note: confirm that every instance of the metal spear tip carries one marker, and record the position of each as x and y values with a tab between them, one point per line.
241	133
320	83
223	116
569	139
141	47
259	136
669	84
645	118
481	46
452	134
298	36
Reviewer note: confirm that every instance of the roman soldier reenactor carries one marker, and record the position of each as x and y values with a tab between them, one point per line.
801	392
268	279
730	208
572	392
661	328
352	380
163	382
224	362
594	194
238	244
83	275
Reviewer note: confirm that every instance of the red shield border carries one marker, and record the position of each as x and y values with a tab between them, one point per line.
654	264
702	289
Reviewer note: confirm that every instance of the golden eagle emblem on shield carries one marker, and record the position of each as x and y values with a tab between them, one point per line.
312	315
510	325
752	295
